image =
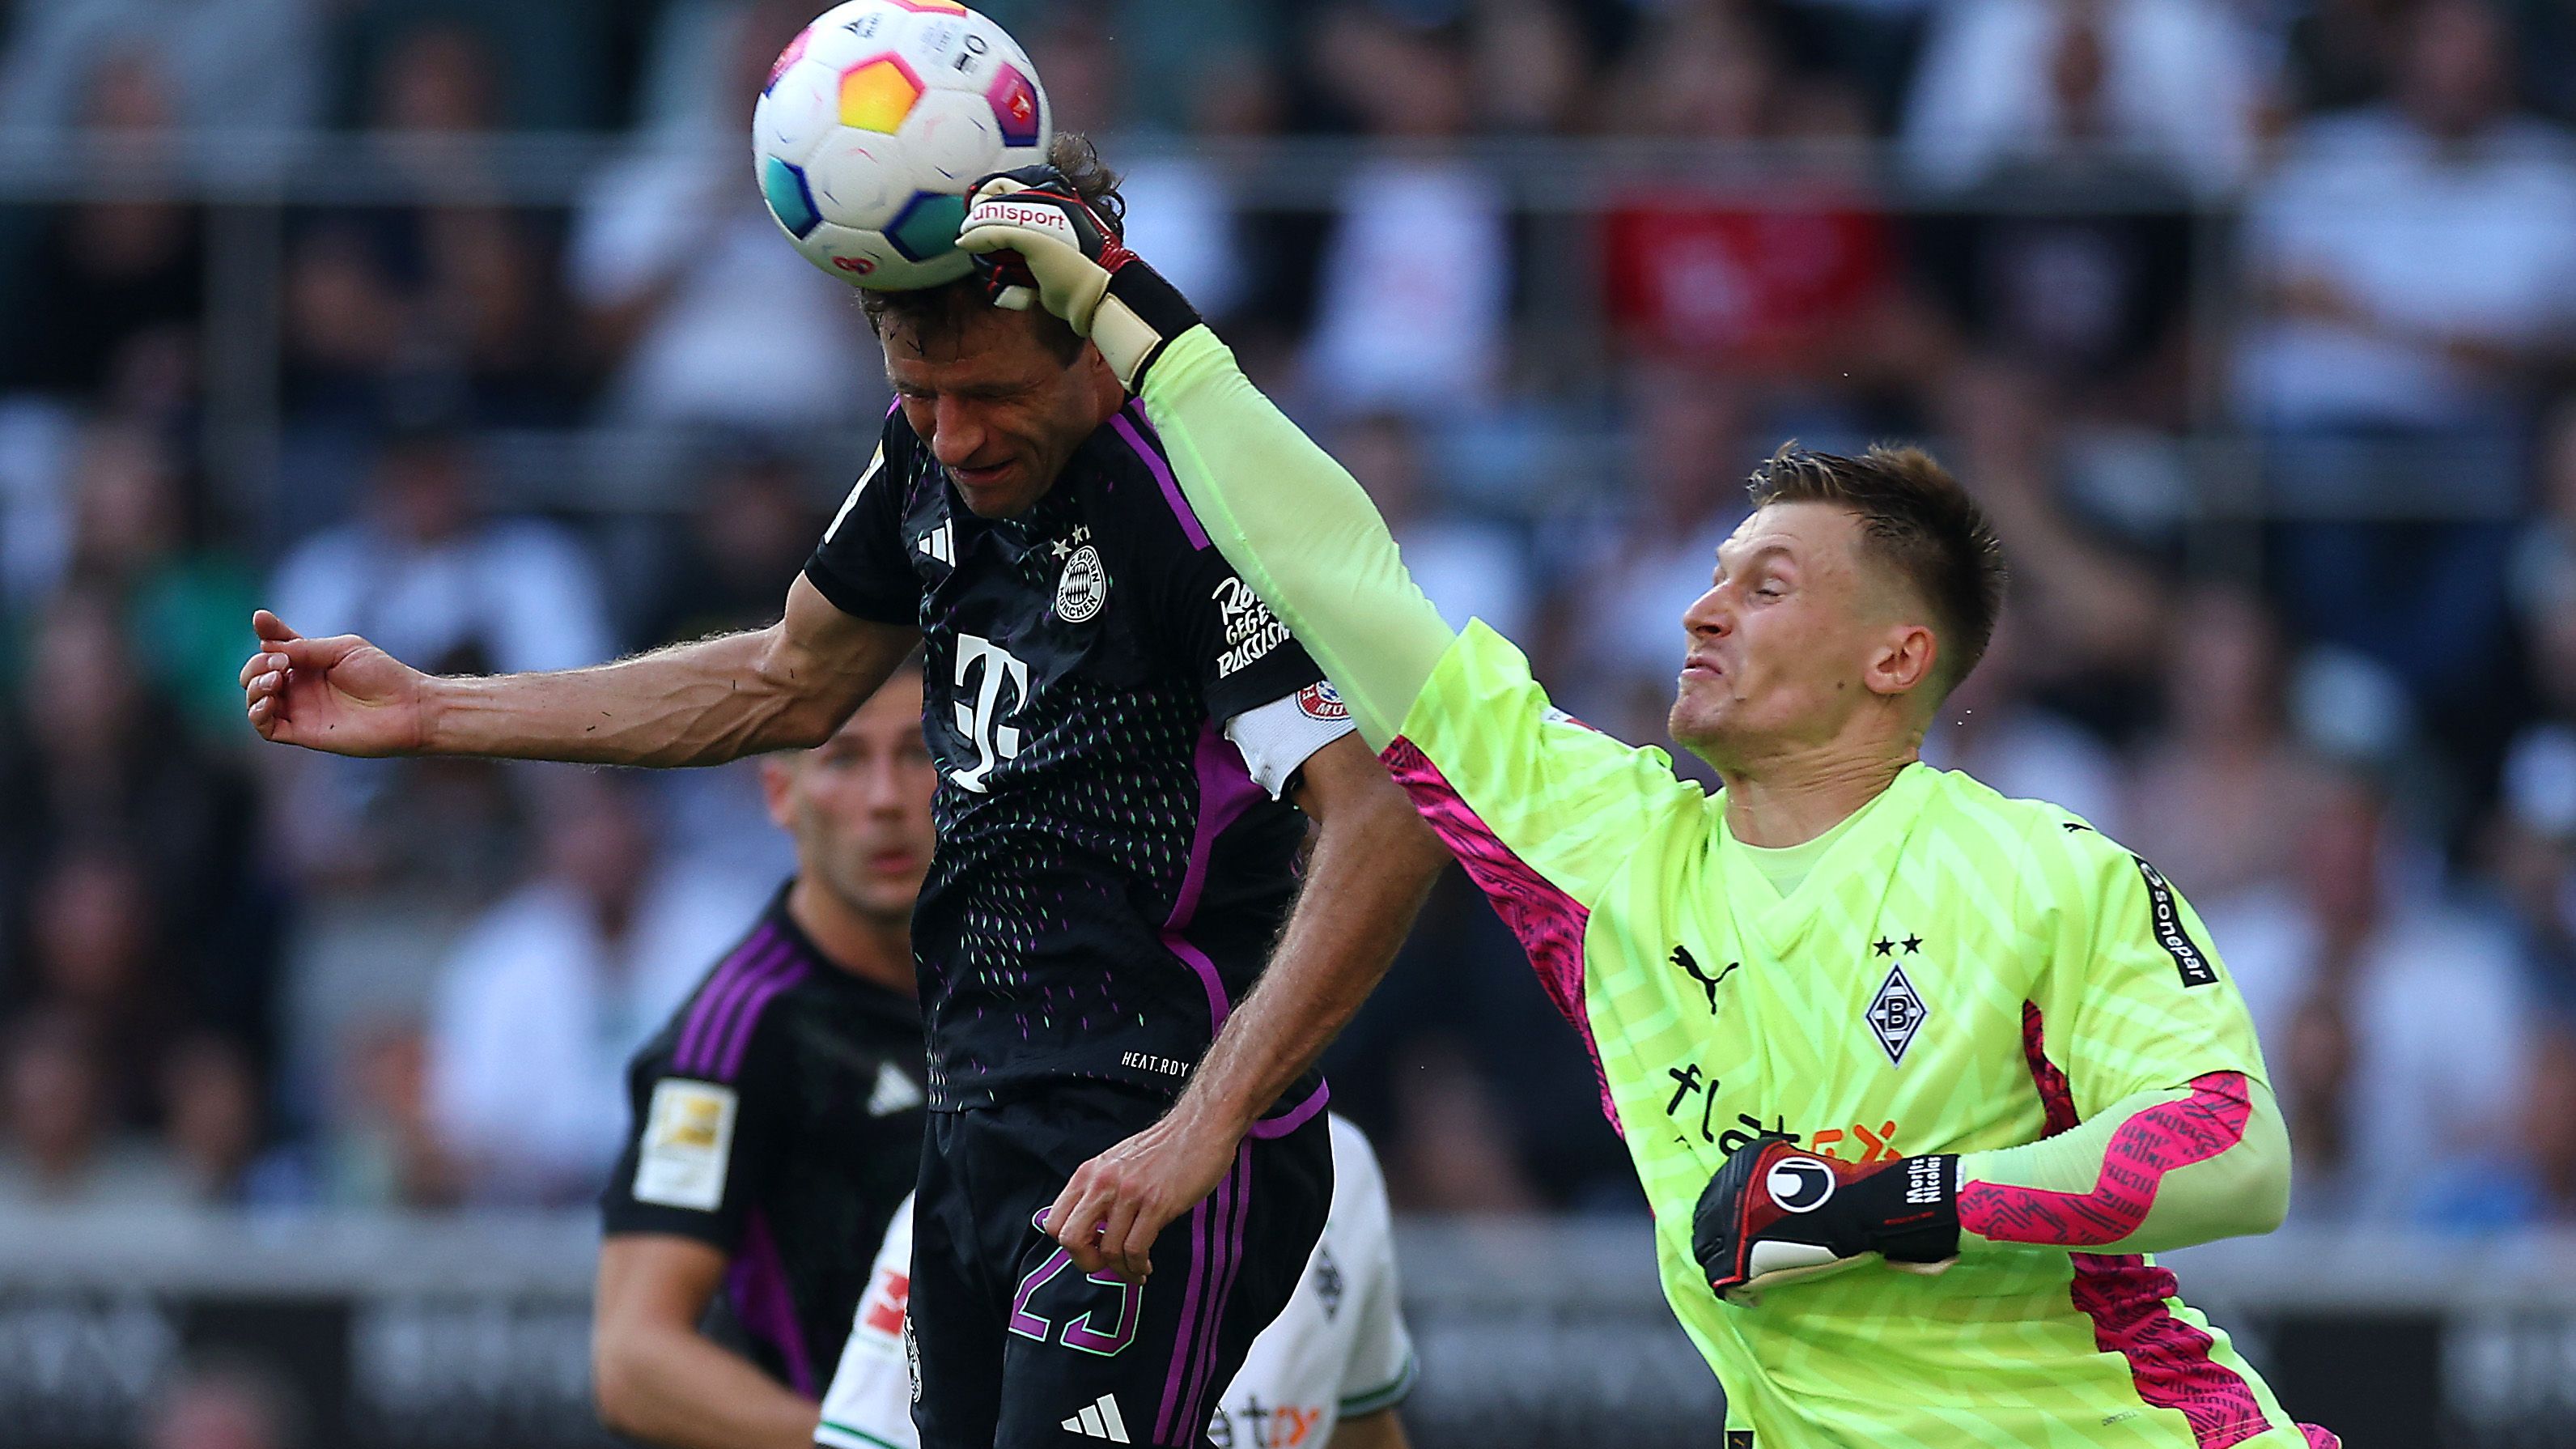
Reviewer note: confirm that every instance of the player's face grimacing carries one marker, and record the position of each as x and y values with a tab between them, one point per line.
997	405
859	804
1796	634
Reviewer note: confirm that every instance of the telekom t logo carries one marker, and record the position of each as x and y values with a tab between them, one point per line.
981	721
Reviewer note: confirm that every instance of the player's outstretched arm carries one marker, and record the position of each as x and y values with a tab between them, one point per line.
1373	862
657	1378
2163	1132
1289	518
2160	1170
2209	1159
787	686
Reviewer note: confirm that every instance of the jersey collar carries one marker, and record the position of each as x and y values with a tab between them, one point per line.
827	972
1861	850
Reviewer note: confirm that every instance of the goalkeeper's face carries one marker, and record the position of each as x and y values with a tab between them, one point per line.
996	403
1803	642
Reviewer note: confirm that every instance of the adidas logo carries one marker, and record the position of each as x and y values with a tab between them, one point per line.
1100	1420
940	545
894	1092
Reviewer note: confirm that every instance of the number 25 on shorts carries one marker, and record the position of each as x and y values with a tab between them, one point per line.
1084	1330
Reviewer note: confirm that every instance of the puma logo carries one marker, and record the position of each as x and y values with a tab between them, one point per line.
1689	963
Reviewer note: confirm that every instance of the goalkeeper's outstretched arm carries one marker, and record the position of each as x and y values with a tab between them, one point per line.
1290	520
2160	1170
1299	529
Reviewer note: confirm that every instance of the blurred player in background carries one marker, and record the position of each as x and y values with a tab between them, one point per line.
1328	1373
778	1116
1853	1013
1121	730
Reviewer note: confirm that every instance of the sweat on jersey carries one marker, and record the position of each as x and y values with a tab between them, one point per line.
1109	875
777	1119
1338	1350
1958	972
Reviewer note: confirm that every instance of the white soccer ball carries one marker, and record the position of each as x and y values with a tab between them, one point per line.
876	120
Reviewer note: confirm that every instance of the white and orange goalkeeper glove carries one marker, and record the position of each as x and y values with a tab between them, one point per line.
1037	242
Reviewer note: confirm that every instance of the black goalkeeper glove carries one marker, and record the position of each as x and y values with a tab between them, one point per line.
1036	240
1777	1212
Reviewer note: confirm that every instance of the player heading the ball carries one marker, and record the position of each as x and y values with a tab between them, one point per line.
1130	749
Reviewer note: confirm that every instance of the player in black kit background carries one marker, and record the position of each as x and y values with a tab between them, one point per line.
1113	715
777	1116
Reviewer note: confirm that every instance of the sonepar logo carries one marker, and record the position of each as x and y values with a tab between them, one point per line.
2164	917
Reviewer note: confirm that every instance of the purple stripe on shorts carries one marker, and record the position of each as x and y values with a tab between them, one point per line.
1295	1117
1162	471
1202	1379
721	983
1195	1322
1189	1315
748	1026
719	1024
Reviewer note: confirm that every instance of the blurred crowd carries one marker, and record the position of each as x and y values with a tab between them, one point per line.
2250	320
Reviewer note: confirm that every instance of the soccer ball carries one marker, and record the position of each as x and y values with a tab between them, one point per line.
876	120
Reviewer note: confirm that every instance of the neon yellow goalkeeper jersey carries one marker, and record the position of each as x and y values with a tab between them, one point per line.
1955	972
1958	971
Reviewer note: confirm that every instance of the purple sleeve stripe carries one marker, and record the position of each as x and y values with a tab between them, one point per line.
1153	455
748	1024
1295	1117
711	1042
721	983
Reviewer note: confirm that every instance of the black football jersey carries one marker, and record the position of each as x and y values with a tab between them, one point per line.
778	1117
1108	880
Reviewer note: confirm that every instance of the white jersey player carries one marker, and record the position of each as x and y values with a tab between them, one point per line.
1326	1374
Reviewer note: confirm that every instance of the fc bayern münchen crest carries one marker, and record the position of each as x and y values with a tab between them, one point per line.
1083	587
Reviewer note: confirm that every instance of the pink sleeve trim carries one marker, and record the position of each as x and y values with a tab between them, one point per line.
2129	1301
2143	1149
1548	923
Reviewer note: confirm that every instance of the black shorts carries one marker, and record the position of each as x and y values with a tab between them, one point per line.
1014	1348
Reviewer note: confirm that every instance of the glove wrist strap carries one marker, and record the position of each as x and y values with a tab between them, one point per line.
1913	1209
1140	315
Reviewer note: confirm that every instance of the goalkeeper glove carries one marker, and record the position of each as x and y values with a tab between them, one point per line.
1777	1212
1036	240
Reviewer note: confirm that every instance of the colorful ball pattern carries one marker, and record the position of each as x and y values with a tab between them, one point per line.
876	119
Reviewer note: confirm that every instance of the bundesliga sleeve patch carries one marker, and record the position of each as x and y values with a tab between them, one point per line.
688	1141
2164	916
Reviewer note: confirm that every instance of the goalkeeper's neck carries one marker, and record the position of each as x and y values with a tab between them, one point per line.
1792	795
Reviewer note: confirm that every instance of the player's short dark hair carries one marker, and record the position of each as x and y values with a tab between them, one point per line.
1917	518
944	311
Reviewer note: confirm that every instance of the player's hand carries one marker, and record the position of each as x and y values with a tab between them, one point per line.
1037	242
1777	1212
1118	1203
341	694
